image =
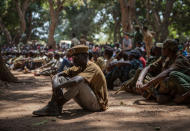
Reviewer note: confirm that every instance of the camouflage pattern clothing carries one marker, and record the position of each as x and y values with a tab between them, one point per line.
179	79
50	69
151	60
155	68
19	63
33	63
177	83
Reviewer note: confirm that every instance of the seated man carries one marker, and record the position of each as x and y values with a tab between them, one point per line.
130	85
179	80
38	60
123	70
50	68
86	84
155	53
156	64
97	59
19	62
65	64
33	61
108	55
157	85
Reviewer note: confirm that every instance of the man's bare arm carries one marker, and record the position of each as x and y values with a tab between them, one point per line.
141	77
47	65
72	82
159	77
143	73
68	83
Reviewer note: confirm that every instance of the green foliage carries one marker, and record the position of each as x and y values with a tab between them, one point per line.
80	20
178	20
182	16
91	17
9	15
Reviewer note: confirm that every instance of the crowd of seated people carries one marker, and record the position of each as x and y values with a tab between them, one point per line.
163	75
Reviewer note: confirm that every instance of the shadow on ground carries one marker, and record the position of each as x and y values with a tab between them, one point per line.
57	124
126	111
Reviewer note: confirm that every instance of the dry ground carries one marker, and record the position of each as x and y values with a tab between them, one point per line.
126	112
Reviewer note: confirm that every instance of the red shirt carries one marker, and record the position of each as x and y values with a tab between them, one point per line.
143	61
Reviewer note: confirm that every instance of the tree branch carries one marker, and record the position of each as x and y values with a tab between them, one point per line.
25	5
169	7
52	10
60	6
22	12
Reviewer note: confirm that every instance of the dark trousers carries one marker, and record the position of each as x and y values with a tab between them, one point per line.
117	72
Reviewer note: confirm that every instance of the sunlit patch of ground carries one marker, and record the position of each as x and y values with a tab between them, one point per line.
126	111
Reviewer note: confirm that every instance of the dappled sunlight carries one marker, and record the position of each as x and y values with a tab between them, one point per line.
126	111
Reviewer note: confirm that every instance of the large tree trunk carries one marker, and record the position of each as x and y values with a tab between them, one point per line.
29	29
5	74
21	9
54	15
116	28
117	24
127	14
117	33
51	41
167	20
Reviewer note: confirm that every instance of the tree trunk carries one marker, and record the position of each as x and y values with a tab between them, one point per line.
21	9
54	15
167	20
117	32
51	41
29	29
127	14
117	24
5	74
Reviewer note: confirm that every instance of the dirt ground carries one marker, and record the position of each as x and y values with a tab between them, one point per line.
126	112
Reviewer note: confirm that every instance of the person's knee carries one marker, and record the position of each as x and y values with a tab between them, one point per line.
174	74
83	85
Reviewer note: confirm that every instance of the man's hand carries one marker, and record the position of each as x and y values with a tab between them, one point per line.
139	84
142	88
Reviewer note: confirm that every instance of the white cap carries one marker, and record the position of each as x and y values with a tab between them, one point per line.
160	45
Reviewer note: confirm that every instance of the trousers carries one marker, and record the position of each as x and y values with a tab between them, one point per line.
82	94
179	82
